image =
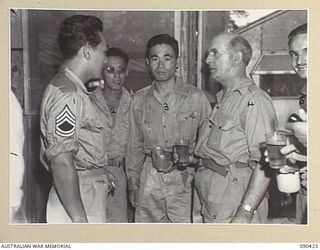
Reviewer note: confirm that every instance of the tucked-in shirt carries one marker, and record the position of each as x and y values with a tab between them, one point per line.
153	123
117	130
237	126
69	123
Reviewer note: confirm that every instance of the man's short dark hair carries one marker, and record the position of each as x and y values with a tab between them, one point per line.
302	29
240	44
162	39
76	31
118	52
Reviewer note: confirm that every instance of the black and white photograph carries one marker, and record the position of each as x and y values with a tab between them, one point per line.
179	124
158	116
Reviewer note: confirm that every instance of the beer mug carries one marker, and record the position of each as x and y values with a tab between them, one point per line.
161	159
275	141
182	150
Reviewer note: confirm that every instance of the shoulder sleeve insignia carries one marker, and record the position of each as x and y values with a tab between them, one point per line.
65	122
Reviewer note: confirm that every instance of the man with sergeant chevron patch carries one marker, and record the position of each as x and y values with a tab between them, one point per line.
73	144
65	122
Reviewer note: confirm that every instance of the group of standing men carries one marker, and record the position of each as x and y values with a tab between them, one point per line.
100	145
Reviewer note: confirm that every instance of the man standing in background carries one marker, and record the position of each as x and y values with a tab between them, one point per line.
298	50
113	102
72	136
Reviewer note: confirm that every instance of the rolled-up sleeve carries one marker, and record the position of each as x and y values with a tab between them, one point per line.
260	118
62	120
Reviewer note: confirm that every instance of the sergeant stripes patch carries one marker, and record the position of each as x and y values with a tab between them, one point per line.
65	122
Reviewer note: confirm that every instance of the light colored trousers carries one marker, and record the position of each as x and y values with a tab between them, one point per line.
220	196
117	208
163	197
94	193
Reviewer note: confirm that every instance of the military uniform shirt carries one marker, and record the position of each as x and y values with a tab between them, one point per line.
117	131
153	123
237	126
69	123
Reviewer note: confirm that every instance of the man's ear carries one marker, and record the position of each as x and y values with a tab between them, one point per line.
178	63
86	51
237	57
147	62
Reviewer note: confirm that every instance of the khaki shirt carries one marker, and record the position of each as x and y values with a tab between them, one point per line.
237	126
153	123
69	123
117	131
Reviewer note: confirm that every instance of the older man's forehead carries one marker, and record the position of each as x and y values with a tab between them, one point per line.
220	42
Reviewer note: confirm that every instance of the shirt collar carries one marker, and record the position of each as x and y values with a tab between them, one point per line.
241	89
179	88
73	77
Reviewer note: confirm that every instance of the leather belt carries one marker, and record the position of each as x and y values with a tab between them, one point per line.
221	169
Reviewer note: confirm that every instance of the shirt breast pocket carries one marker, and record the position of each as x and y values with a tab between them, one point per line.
92	125
222	133
187	124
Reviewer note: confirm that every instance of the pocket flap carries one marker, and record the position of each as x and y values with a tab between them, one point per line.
184	116
224	122
93	125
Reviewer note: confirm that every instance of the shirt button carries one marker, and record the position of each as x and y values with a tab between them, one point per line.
220	127
210	126
218	107
164	126
166	141
235	180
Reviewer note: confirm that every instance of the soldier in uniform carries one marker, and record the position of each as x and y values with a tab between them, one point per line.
298	45
161	113
231	181
72	135
113	102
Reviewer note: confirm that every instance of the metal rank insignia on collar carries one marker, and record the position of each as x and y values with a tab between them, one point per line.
113	110
250	104
65	122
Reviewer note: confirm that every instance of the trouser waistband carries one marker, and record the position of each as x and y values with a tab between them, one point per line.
222	169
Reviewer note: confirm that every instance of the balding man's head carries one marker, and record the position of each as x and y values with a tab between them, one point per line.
237	43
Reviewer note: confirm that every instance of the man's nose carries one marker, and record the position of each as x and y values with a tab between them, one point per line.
161	63
209	59
302	58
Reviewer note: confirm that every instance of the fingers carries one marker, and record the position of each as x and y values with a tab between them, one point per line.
304	183
288	149
303	114
297	157
304	169
136	198
133	197
175	157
